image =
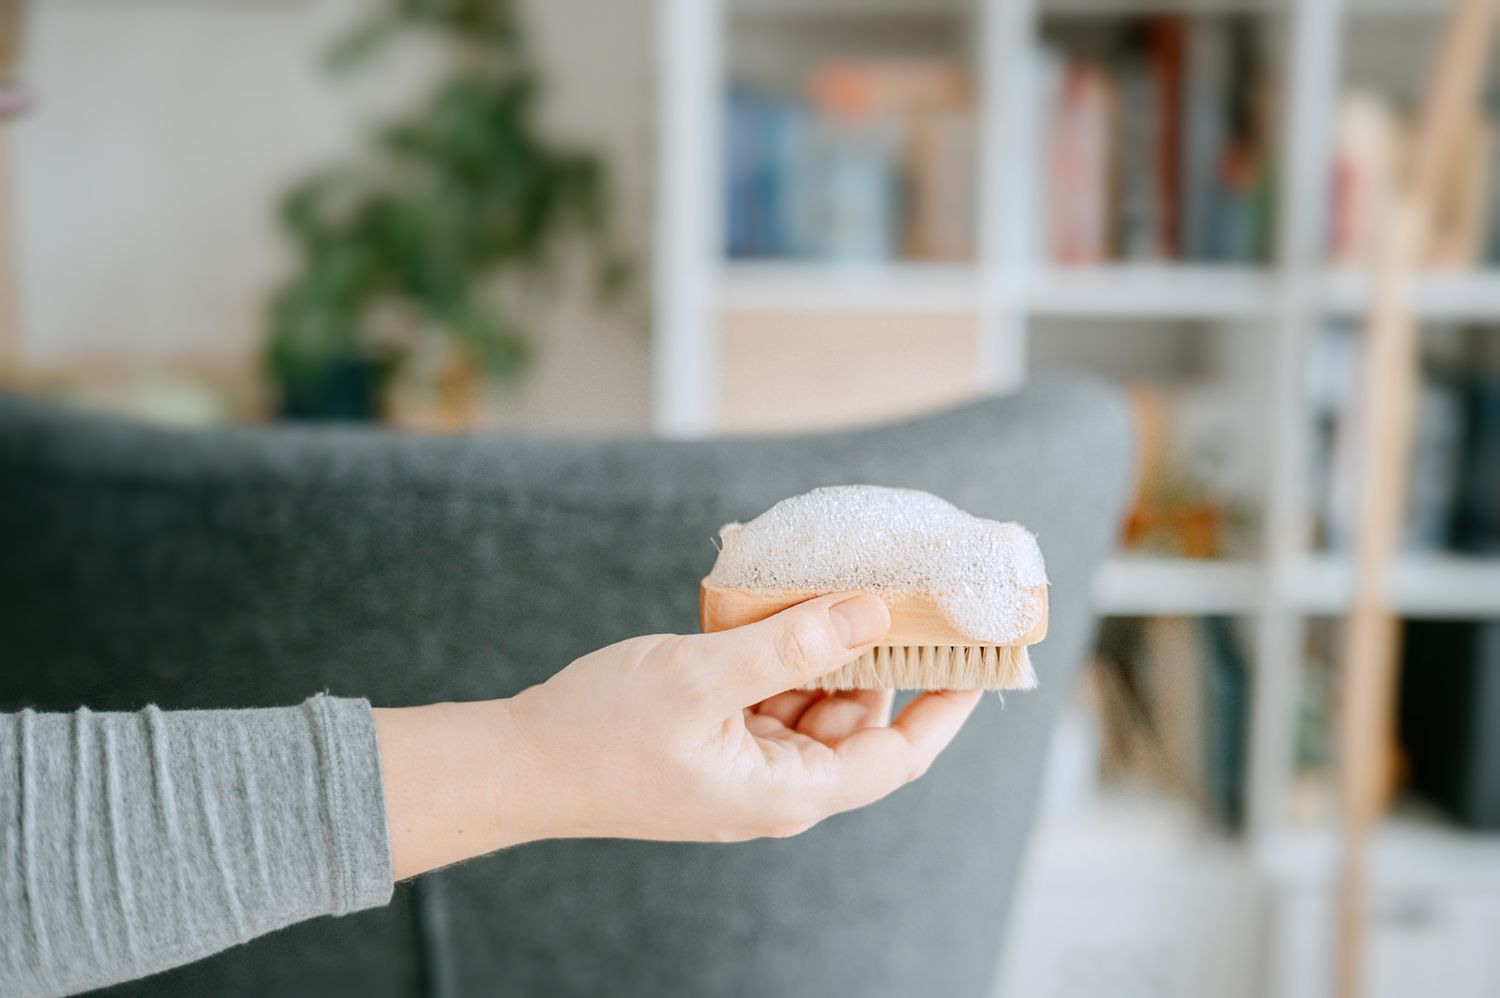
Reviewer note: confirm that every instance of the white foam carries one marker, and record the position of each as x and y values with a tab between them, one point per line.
984	575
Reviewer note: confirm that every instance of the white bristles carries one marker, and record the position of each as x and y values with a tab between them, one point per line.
935	667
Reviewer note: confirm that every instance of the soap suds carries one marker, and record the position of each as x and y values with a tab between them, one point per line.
983	574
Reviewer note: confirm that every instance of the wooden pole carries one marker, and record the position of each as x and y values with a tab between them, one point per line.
1388	391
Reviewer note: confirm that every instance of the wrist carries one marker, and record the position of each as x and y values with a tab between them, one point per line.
518	797
449	792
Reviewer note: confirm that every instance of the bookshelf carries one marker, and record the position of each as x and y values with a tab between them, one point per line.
1138	586
1446	297
1427	586
1150	291
901	287
1020	305
1187	291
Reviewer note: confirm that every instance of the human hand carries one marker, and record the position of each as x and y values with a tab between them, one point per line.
698	737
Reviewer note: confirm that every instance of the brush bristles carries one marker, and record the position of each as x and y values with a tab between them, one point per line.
934	667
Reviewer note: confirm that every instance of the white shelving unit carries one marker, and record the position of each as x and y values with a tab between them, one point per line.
1177	292
1010	295
1439	297
1428	586
1131	586
1185	292
782	287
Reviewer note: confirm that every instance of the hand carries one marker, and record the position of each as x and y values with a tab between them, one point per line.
691	737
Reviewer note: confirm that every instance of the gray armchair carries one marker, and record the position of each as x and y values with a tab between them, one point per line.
256	567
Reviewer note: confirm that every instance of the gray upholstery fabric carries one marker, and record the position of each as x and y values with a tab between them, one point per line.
257	567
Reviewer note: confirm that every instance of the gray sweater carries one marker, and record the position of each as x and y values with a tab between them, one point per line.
130	843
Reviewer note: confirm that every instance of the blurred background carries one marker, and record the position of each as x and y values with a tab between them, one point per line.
750	216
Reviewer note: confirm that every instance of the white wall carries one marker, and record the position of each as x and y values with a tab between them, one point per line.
165	130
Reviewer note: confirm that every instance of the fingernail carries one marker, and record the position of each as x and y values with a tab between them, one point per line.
859	619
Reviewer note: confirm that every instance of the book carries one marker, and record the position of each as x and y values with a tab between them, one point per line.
1047	68
1477	521
854	186
861	89
1436	474
1171	697
764	162
1166	58
869	159
940	211
1204	136
1171	673
1159	138
1078	202
739	153
1137	229
901	176
1226	717
1449	717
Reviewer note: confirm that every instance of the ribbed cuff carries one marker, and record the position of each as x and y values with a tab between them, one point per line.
360	840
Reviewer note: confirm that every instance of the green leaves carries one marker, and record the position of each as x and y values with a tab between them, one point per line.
448	200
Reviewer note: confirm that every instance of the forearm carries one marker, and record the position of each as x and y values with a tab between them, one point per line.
138	842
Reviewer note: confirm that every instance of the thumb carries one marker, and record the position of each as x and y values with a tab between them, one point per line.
745	665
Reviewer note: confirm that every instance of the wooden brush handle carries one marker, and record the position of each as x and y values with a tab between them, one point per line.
916	619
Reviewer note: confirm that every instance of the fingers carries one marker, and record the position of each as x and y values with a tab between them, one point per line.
836	717
879	760
931	720
789	707
749	664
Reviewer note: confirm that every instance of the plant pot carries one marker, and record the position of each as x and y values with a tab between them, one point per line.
349	389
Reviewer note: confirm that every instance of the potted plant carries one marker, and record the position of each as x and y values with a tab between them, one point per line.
452	200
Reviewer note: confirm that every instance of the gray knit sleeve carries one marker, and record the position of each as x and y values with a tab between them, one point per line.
130	843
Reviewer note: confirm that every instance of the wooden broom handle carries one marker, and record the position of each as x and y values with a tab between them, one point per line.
1389	383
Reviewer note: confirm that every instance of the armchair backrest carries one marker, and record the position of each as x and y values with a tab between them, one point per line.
256	567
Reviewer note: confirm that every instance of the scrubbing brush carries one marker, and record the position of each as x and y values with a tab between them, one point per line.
967	596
